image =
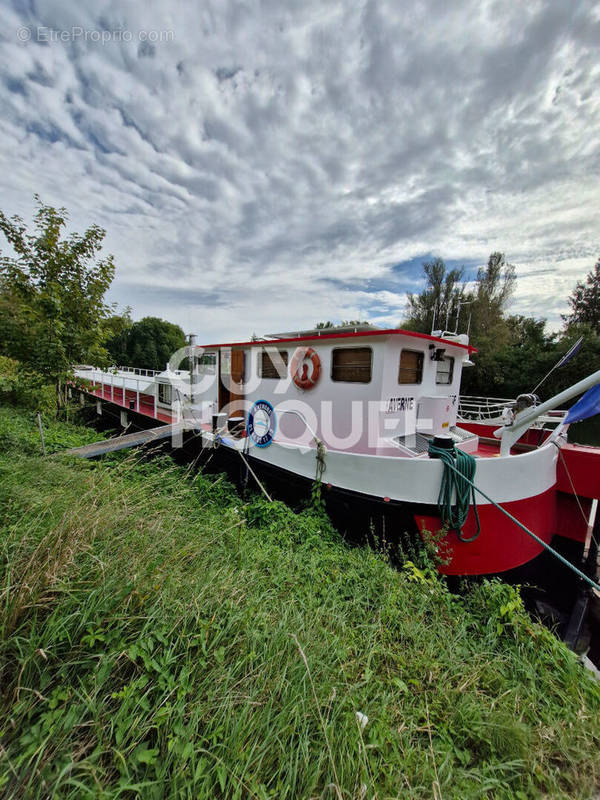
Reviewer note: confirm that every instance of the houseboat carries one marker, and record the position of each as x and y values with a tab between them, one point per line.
366	411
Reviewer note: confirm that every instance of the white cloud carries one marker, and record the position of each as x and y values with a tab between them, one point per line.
263	168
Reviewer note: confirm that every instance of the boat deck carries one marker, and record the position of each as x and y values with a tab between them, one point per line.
131	400
144	404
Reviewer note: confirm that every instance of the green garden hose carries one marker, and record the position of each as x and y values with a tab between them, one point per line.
457	486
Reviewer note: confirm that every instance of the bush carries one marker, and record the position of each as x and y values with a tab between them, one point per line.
23	388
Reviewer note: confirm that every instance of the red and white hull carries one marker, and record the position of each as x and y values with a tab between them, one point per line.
523	484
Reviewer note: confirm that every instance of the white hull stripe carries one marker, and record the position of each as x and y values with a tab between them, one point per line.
413	480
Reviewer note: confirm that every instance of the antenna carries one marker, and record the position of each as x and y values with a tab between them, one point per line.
462	303
434	312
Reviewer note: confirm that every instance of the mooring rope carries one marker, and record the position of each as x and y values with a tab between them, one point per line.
254	475
456	491
320	456
564	463
536	538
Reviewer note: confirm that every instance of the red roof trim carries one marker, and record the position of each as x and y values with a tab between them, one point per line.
385	332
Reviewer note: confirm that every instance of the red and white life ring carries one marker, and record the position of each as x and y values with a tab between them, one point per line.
299	370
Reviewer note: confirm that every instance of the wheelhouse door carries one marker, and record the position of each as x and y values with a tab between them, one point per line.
237	376
231	376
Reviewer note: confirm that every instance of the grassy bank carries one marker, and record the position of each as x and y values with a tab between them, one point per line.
158	638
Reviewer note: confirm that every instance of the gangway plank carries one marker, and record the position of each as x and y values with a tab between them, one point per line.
129	440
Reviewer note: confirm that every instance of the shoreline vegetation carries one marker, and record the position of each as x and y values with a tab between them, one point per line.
161	637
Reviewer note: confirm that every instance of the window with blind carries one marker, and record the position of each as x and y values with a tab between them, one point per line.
445	371
351	364
268	369
411	367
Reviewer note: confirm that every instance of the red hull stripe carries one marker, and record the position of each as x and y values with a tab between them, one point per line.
582	467
501	545
570	522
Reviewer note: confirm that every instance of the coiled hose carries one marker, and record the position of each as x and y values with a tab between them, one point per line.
457	482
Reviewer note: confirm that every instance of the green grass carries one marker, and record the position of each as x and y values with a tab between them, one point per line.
19	431
159	638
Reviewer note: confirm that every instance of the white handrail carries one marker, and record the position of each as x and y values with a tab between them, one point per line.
98	379
481	409
150	373
303	418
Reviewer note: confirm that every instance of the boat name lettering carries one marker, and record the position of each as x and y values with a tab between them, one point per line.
400	404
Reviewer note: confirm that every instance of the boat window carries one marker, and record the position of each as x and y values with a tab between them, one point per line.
271	365
351	364
164	393
207	364
411	366
445	370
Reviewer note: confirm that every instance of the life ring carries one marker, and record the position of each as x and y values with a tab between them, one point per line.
299	370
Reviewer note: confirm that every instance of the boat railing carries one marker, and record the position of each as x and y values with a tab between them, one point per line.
472	408
129	388
475	409
148	373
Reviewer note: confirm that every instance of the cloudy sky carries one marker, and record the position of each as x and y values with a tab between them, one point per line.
259	166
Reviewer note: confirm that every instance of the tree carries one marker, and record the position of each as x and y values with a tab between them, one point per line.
52	295
117	328
491	331
582	364
150	343
494	287
511	350
514	362
440	299
320	326
585	301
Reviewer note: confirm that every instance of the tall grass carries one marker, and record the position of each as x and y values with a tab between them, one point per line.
160	638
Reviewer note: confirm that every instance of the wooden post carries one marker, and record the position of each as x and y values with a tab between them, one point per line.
39	419
575	623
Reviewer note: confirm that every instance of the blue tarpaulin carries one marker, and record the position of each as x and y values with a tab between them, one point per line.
586	406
